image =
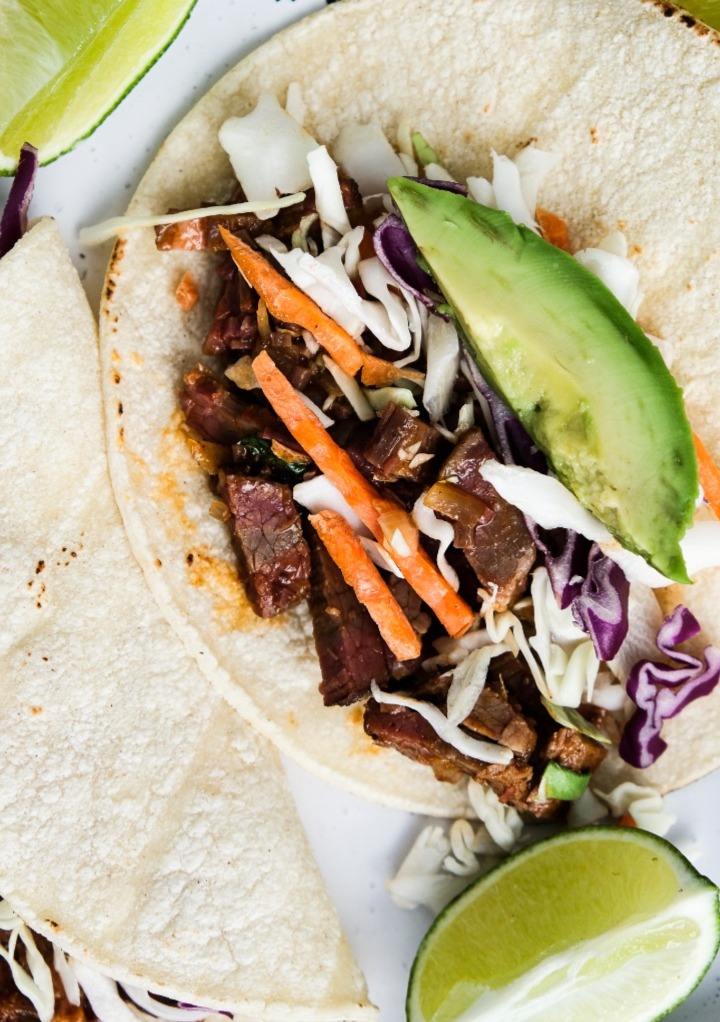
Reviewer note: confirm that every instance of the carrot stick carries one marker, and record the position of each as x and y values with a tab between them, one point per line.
288	303
709	475
553	228
627	821
377	372
359	572
419	571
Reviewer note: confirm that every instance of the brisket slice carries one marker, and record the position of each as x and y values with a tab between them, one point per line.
399	727
574	751
402	446
349	646
273	557
416	613
500	550
234	329
215	413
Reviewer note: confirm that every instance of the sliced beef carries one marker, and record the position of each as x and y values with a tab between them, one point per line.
402	446
273	557
234	329
400	728
494	717
349	646
202	234
574	751
499	547
215	413
418	617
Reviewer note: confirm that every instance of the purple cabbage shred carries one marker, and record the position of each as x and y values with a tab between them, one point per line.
661	690
14	218
398	253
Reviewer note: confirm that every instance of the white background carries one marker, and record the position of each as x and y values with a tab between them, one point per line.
358	845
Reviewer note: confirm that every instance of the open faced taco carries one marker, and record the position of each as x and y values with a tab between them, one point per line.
152	864
490	644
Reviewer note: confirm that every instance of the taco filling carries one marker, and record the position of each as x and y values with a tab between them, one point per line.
486	596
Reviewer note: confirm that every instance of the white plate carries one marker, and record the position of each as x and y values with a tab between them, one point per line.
358	845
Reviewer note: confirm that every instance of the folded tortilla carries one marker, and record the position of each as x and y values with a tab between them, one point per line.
624	92
145	829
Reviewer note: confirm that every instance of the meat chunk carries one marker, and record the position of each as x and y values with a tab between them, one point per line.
401	728
402	447
349	646
494	717
215	413
234	329
273	557
499	548
202	234
417	615
574	751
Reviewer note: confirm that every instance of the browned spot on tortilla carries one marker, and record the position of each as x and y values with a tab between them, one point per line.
116	377
157	562
621	225
635	250
40	566
137	358
356	713
292	719
120	408
121	437
468	136
35	710
688	286
117	255
486	109
593	135
109	288
114	356
189	558
231	609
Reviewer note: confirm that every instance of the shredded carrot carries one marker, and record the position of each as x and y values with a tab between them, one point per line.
420	572
709	475
553	228
627	821
376	372
288	303
186	293
359	572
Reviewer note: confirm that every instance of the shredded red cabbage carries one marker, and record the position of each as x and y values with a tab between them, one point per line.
661	690
398	253
14	219
580	575
396	250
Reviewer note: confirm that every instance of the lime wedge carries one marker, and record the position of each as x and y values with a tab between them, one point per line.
597	924
66	65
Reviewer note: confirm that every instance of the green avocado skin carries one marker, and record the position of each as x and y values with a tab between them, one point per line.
589	387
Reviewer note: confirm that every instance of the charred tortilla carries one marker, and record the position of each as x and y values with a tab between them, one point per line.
588	82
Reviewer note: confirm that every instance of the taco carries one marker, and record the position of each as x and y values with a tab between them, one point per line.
486	84
150	845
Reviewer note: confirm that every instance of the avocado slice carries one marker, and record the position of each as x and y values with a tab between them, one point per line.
587	384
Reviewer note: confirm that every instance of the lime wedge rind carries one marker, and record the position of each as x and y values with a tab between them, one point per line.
98	90
695	901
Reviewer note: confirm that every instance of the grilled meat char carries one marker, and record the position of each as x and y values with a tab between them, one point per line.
499	548
400	728
273	557
349	646
351	651
402	446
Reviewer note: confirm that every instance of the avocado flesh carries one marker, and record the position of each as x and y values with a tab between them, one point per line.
589	387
